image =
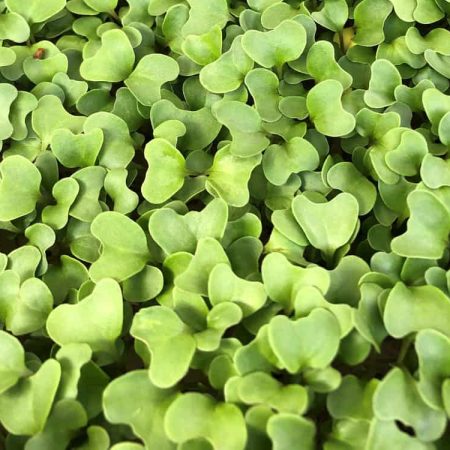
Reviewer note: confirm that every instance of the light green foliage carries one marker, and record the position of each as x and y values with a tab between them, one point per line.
166	171
274	48
149	75
113	61
103	312
224	225
19	187
325	109
221	424
124	250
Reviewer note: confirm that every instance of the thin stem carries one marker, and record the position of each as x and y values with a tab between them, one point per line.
406	344
341	41
114	15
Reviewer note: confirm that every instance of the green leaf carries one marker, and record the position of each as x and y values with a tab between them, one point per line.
45	69
274	48
333	15
245	127
36	11
102	5
205	48
96	320
415	308
133	400
289	431
437	39
12	367
227	73
14	27
321	64
436	105
369	17
204	15
8	94
50	116
260	388
280	161
225	286
150	74
397	398
427	229
263	87
24	307
72	358
166	171
117	150
143	286
77	150
169	341
175	233
18	199
113	61
229	176
282	279
325	109
66	417
433	352
201	126
207	255
327	225
124	247
345	177
406	158
24	408
317	349
221	424
383	81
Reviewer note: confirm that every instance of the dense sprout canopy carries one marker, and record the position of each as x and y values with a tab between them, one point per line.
224	224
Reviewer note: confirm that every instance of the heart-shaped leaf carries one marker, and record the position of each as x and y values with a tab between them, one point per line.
14	27
133	400
427	230
229	175
369	21
321	64
25	407
317	335
79	150
113	61
208	254
151	72
221	424
282	279
333	14
96	320
18	199
320	223
225	286
397	398
124	247
166	171
384	80
176	233
170	343
273	48
325	109
36	11
280	161
227	73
